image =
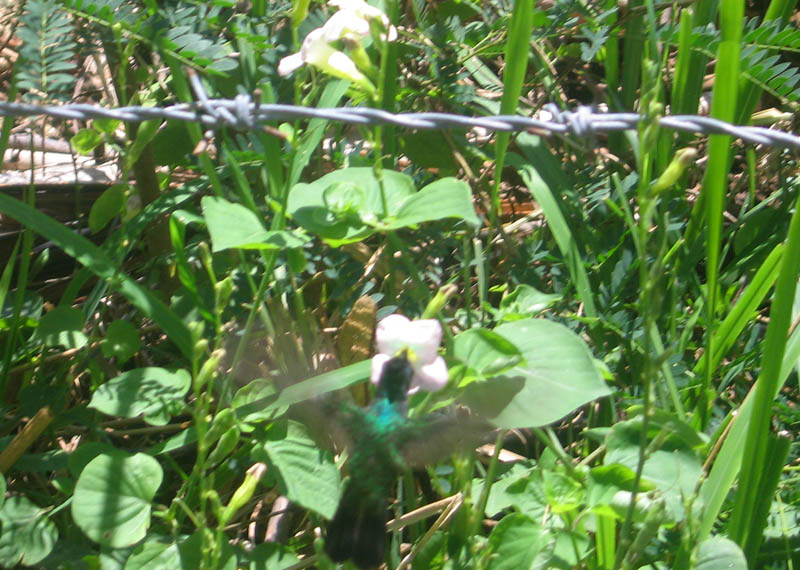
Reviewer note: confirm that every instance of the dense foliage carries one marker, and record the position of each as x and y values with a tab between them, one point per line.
619	307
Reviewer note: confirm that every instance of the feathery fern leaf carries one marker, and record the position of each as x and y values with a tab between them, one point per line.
47	52
761	61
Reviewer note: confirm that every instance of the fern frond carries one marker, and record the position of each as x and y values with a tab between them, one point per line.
47	52
761	60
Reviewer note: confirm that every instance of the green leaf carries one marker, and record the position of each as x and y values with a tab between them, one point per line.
157	554
675	467
154	555
308	475
521	488
273	555
257	391
122	341
272	404
99	263
191	551
234	226
445	198
546	198
109	205
107	126
112	498
719	553
86	140
309	205
556	376
517	50
517	542
486	353
430	149
524	301
80	458
28	535
63	326
154	392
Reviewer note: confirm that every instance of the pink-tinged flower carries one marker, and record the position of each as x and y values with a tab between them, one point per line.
421	339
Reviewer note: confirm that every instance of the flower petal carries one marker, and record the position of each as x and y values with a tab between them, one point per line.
431	377
315	48
340	65
345	23
392	335
424	337
290	63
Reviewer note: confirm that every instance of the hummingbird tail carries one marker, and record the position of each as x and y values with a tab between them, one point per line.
358	530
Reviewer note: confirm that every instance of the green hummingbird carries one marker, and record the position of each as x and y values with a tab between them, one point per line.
383	442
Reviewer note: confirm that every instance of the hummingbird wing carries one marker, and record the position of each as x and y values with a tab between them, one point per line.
427	440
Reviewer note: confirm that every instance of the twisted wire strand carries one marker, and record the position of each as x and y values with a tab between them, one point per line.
242	113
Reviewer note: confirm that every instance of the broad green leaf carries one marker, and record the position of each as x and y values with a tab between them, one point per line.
258	390
445	198
557	375
570	548
308	389
517	542
674	467
719	553
86	140
153	555
109	205
430	149
112	498
234	226
63	326
107	126
157	554
80	458
524	301
564	493
521	488
308	475
154	392
485	352
28	535
122	341
308	203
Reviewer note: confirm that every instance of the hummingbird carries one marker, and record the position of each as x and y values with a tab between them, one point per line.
383	443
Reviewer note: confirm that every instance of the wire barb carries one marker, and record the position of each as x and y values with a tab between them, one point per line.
242	113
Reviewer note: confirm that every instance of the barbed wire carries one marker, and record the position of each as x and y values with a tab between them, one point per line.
242	113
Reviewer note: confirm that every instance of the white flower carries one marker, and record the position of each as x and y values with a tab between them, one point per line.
317	51
354	16
421	338
351	24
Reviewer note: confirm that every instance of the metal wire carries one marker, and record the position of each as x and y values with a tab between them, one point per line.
242	113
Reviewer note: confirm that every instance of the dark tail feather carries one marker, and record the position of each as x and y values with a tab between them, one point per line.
357	531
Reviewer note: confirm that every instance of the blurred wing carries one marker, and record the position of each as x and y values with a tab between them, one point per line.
425	441
332	421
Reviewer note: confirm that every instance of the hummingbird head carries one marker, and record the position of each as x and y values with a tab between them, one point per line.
395	379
